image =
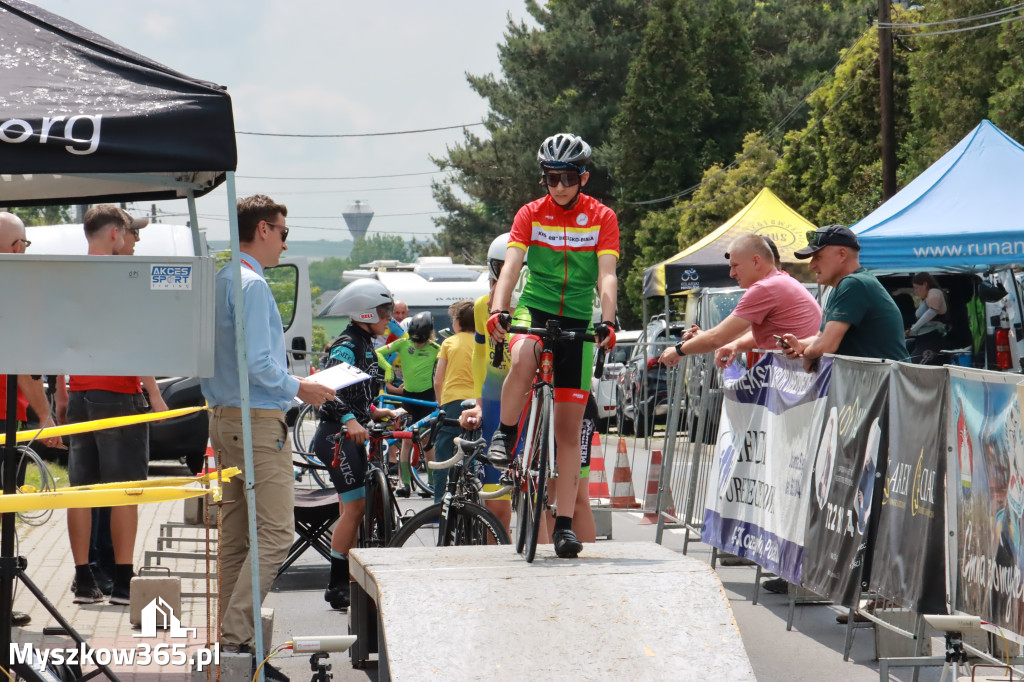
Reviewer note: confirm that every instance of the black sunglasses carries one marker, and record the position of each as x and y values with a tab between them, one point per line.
284	230
567	178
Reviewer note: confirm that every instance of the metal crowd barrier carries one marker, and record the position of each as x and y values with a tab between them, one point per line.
685	467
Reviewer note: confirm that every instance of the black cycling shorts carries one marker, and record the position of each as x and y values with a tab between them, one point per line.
350	477
574	360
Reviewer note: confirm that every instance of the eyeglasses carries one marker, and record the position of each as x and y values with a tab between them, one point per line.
15	243
567	178
284	230
134	231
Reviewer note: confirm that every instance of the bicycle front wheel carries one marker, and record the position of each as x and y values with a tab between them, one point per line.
532	493
468	524
378	520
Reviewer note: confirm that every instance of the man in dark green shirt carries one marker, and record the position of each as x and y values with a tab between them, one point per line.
860	318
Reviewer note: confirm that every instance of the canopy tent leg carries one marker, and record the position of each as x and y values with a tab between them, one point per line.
193	221
243	385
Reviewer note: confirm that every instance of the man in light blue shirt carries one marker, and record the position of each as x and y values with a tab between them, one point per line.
262	233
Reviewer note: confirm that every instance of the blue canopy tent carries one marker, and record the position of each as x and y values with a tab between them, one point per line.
965	212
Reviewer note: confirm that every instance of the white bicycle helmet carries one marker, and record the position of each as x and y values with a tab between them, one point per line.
362	301
496	255
564	151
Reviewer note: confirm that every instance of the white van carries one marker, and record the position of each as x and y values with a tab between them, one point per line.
427	284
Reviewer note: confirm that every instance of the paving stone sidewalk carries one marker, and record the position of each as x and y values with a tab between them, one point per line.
106	626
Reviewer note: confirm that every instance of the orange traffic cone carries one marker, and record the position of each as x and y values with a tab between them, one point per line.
598	474
211	461
651	499
622	480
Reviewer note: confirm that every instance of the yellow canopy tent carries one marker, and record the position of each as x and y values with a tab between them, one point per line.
703	263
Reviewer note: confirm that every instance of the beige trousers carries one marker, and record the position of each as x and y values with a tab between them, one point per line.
275	501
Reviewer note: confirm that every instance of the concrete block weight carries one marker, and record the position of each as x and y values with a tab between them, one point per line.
146	588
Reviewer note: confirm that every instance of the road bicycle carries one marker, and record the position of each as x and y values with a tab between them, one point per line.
420	445
382	514
529	472
459	519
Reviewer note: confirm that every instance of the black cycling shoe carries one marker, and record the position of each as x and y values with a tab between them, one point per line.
402	492
497	454
567	545
425	494
337	596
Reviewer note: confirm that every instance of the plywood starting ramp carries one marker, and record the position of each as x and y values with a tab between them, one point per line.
622	610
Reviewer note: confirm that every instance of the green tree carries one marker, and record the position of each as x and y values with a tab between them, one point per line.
830	171
694	58
662	117
1006	106
722	194
381	247
326	273
796	43
43	215
567	74
953	78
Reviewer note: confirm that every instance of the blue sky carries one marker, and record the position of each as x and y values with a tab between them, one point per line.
320	66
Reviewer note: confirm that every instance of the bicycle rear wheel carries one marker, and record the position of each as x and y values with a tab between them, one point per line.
378	520
468	524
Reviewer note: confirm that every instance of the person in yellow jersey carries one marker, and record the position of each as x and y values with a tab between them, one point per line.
453	383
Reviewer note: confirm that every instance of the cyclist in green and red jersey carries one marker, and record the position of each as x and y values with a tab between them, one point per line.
573	244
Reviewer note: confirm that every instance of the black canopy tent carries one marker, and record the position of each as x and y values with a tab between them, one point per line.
84	120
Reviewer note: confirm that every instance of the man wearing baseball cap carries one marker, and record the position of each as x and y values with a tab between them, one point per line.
860	318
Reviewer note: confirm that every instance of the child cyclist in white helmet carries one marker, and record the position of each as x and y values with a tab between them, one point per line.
573	244
369	305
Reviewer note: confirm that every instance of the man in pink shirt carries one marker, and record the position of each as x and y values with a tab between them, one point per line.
774	303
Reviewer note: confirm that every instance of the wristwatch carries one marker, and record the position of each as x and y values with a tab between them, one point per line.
679	349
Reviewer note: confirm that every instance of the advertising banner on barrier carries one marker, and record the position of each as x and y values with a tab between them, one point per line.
756	501
909	548
849	452
985	497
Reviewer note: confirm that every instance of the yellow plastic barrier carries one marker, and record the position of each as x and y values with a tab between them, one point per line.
98	424
115	494
74	499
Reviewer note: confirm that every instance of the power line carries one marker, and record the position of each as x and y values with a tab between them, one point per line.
340	135
348	191
960	30
956	20
351	177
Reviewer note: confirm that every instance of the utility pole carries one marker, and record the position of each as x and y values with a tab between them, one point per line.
885	99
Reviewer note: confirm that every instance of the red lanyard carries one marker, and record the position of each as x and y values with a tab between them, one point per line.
246	264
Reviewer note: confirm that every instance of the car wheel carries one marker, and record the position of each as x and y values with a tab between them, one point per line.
642	424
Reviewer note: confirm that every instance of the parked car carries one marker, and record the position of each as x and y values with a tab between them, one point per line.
606	387
634	414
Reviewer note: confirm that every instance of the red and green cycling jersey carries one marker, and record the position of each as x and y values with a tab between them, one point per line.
562	249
